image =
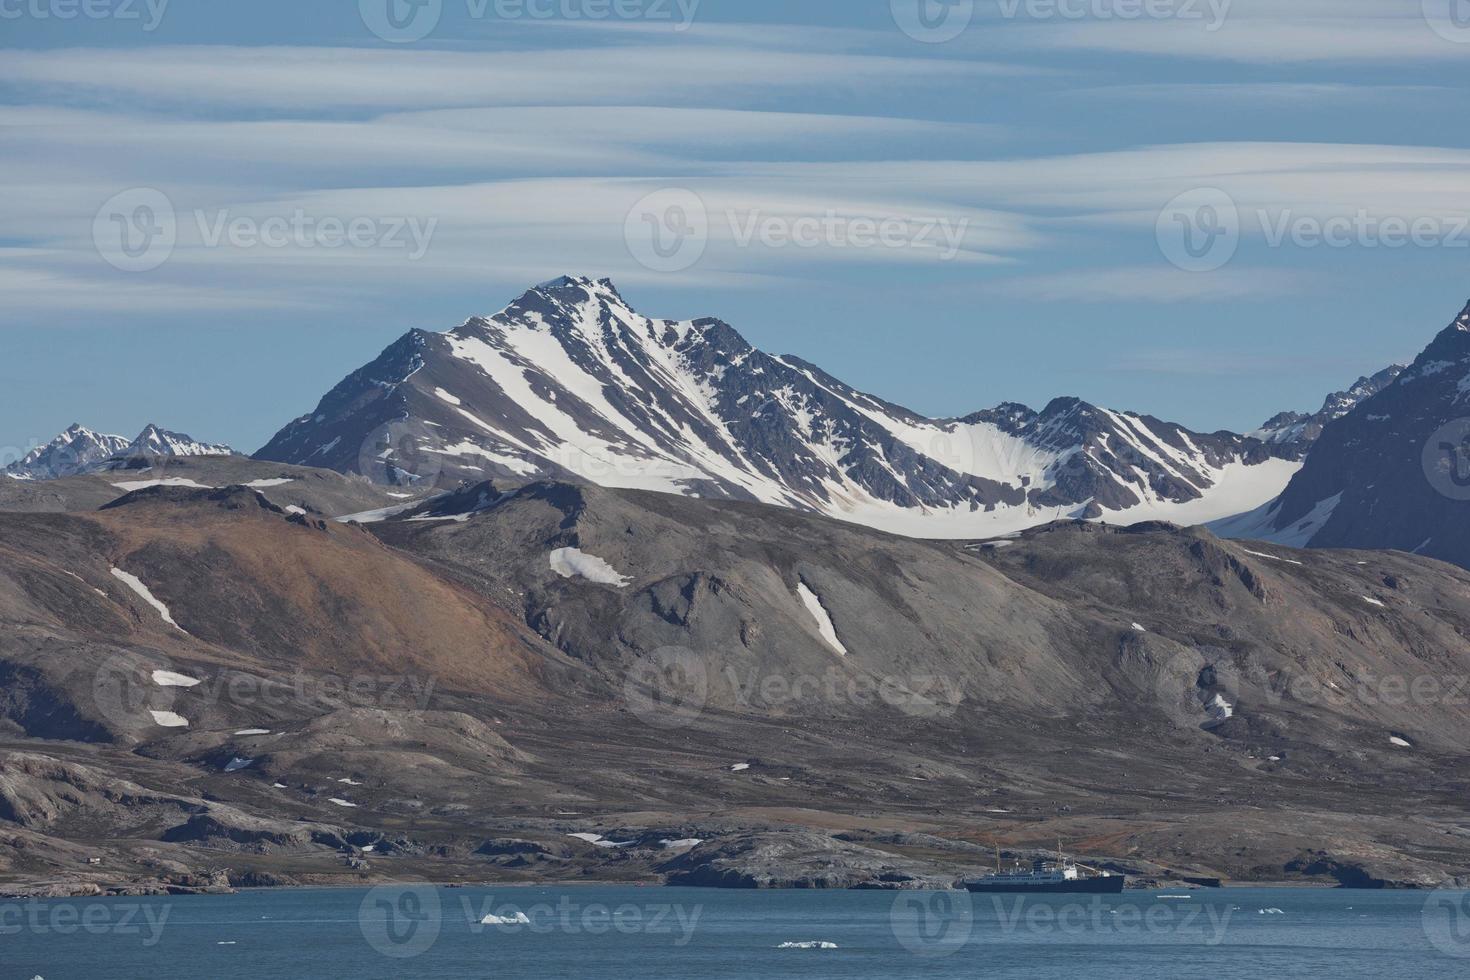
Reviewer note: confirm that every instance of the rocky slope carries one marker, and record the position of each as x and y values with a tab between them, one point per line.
200	688
1393	472
569	382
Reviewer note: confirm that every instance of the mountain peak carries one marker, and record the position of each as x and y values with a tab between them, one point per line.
569	382
77	449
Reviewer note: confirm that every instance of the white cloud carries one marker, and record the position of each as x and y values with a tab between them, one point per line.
307	79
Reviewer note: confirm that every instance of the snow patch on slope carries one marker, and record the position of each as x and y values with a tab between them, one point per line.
136	584
167	678
823	618
1260	524
575	563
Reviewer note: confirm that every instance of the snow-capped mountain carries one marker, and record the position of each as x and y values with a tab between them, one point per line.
73	451
1394	472
80	450
1297	431
154	441
570	381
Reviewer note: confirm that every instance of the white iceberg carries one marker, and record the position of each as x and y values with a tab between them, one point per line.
514	919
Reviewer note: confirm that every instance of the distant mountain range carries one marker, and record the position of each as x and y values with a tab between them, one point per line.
80	450
1301	432
569	382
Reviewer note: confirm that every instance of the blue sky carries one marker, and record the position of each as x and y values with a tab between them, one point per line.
986	203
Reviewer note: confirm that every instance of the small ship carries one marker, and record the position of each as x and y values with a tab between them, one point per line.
1059	877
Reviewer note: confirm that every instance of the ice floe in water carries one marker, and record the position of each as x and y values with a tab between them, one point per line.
514	919
575	563
809	944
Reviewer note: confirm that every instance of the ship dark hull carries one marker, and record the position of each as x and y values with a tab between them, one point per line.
1111	885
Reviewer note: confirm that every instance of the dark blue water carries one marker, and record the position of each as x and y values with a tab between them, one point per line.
689	933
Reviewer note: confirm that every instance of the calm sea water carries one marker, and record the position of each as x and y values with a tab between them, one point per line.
405	931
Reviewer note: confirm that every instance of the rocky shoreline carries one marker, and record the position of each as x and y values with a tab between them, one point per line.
793	860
